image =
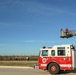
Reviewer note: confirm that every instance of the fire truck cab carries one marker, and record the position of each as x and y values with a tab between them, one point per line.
57	58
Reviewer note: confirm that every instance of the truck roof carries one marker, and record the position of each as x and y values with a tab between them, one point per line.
55	46
63	45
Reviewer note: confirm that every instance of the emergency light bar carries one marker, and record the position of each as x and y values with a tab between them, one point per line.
44	47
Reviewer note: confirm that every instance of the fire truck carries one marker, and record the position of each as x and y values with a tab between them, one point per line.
57	58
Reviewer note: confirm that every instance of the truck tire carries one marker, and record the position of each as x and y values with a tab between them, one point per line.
53	68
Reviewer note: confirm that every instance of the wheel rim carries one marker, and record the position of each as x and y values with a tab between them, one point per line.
53	68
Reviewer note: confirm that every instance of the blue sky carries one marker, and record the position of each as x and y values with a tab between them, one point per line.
27	25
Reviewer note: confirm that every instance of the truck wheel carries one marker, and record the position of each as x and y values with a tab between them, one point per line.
53	68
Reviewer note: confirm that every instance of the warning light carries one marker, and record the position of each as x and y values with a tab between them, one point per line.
66	30
44	47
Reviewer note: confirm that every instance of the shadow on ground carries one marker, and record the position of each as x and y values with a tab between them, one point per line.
66	72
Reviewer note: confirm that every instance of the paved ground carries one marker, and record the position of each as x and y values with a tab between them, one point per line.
20	71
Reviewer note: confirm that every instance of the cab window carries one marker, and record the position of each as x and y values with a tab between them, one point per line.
44	52
53	52
61	52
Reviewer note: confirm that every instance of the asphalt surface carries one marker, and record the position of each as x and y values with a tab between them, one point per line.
21	71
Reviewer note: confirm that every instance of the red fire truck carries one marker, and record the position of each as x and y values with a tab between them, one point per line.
57	58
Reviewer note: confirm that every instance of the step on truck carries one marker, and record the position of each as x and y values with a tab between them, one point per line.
57	58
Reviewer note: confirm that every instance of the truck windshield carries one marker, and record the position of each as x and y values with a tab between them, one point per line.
44	52
39	52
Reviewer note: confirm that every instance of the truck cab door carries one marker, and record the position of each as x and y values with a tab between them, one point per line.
42	59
